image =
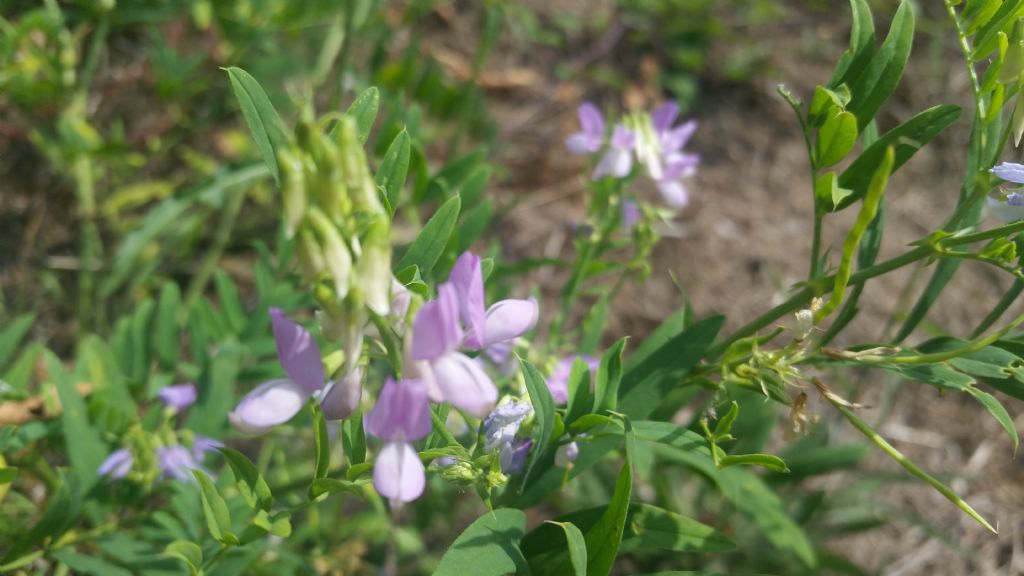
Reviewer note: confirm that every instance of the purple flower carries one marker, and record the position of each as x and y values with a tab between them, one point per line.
558	382
617	160
457	319
202	445
268	405
566	454
502	424
1010	172
340	399
298	352
590	138
179	396
513	455
176	462
117	465
400	416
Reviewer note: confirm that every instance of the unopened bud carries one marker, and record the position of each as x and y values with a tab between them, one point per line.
293	191
566	454
311	257
336	255
374	268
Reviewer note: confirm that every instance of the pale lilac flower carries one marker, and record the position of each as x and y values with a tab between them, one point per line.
203	445
566	454
503	423
617	161
179	396
457	319
340	399
513	455
176	462
1012	208
277	401
117	465
558	382
400	416
590	138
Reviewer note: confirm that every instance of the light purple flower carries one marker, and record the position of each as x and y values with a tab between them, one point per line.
617	161
513	455
401	415
340	399
176	462
268	405
590	138
202	445
298	352
503	423
117	465
1010	172
179	396
566	454
558	382
457	319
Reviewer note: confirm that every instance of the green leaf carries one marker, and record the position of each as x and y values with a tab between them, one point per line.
353	440
7	475
862	46
188	552
218	520
321	441
885	68
364	111
394	168
60	515
593	326
604	538
230	301
996	409
609	375
907	138
429	245
12	335
475	223
578	387
92	565
250	482
576	546
488	547
646	383
987	39
544	412
216	392
666	331
836	138
773	463
323	486
166	341
264	123
85	448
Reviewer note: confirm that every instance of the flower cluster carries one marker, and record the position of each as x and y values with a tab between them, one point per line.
655	141
173	458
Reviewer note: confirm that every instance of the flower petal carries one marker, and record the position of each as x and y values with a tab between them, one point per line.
401	412
464	383
298	352
581	143
1010	172
675	139
468	279
269	404
664	116
591	120
117	465
436	329
179	396
398	473
1004	211
623	139
614	162
342	398
508	319
674	193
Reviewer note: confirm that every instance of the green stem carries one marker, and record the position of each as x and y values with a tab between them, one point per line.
1009	298
895	454
816	244
220	243
91	245
342	63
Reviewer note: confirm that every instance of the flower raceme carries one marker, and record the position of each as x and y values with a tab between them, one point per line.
457	320
277	401
654	139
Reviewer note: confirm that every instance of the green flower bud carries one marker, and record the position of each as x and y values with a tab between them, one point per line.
374	268
293	191
337	257
311	257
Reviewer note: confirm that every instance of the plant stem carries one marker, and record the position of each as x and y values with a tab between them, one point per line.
342	63
220	243
816	245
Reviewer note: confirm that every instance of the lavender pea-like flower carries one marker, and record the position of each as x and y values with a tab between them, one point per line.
590	138
1012	207
117	465
277	401
400	416
178	396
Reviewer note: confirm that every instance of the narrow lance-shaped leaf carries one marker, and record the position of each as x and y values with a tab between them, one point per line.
429	245
250	482
394	168
215	509
885	69
263	120
609	374
544	411
364	110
